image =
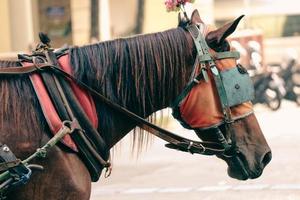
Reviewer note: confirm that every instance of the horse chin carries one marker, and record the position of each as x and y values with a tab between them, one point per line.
238	168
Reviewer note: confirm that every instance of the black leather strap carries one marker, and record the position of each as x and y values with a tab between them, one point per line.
13	71
92	148
166	135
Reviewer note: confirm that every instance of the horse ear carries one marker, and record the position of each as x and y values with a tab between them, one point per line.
218	36
182	21
196	19
179	19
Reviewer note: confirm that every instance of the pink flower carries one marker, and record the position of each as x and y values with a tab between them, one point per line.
174	5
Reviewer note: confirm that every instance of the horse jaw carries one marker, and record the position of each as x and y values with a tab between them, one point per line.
254	152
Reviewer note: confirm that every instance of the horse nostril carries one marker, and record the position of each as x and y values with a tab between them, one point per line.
267	158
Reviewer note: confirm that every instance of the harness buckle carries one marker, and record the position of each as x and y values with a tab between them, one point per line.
108	170
191	143
204	72
189	147
196	81
73	125
214	70
203	148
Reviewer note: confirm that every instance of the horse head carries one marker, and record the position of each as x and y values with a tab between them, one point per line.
201	108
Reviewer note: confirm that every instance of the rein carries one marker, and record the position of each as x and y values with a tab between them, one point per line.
184	144
175	141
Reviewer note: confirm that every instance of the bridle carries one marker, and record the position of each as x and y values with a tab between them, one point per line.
222	147
207	62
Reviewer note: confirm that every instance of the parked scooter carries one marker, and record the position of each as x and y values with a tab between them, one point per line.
294	88
268	85
269	89
290	73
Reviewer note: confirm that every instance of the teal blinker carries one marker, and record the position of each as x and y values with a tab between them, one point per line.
234	86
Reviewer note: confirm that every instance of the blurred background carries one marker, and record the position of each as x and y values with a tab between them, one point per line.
268	39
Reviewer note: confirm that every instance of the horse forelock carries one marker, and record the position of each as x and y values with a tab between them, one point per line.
142	73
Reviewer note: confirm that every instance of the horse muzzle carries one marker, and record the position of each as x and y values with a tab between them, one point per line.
240	168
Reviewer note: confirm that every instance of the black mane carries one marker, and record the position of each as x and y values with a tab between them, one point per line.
142	73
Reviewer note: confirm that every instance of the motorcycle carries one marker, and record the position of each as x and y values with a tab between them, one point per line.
269	89
268	85
290	73
294	90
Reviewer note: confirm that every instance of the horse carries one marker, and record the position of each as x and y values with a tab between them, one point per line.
144	74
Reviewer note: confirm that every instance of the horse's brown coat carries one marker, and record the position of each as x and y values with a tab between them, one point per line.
143	73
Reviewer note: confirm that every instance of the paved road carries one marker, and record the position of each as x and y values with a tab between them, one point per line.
164	174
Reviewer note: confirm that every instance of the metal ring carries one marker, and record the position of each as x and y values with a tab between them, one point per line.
68	124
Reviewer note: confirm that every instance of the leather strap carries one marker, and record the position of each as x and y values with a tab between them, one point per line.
206	57
227	54
219	56
181	142
92	147
177	141
200	42
24	70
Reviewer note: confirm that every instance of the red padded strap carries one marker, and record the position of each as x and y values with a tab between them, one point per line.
83	97
48	108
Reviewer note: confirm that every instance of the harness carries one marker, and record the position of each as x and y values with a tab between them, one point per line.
229	90
45	64
58	93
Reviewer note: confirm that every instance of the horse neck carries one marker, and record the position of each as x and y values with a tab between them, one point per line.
144	74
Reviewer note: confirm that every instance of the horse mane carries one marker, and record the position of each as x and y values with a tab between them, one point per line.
143	73
20	114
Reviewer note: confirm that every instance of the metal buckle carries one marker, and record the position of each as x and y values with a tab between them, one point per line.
203	147
189	147
196	81
10	164
108	170
192	143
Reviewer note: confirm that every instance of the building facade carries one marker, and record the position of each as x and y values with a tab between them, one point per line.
69	21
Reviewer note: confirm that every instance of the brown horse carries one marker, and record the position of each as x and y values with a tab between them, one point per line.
144	74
